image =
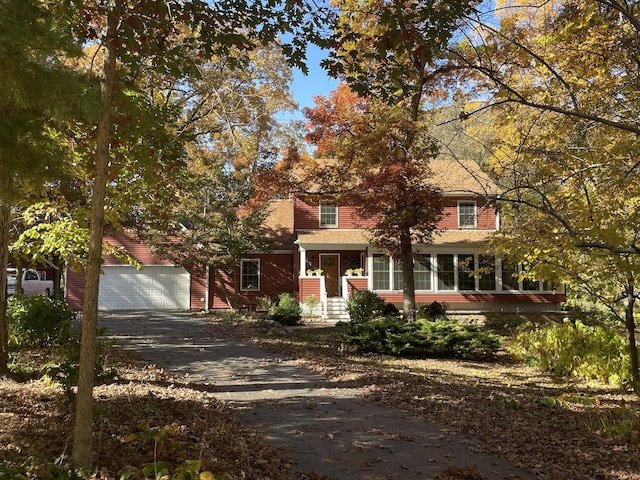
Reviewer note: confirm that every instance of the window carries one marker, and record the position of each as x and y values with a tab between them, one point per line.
487	272
30	275
466	267
380	280
422	272
328	215
250	274
509	275
446	272
398	279
467	217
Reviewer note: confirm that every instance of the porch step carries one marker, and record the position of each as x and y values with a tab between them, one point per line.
336	310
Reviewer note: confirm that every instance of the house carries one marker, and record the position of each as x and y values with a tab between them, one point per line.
324	251
311	236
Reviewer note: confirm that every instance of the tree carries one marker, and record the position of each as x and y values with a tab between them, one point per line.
380	167
569	71
565	95
365	34
233	116
152	36
38	93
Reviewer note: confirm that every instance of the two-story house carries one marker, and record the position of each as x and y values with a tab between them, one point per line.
323	250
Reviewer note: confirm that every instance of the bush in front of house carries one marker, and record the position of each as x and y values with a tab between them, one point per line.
422	338
286	310
432	311
37	320
364	305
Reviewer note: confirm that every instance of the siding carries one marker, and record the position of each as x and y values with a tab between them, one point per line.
74	289
307	216
486	215
309	286
485	301
355	284
276	276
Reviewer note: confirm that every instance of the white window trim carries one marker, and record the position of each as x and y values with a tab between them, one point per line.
331	204
242	262
392	270
475	214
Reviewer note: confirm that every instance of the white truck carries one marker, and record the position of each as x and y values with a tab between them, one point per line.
32	284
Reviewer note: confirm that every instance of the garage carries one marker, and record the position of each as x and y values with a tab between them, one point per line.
155	287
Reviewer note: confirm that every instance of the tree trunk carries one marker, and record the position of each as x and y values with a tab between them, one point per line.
83	432
5	221
629	305
19	272
408	281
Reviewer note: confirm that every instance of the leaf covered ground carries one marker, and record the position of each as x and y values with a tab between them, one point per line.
558	429
555	427
143	417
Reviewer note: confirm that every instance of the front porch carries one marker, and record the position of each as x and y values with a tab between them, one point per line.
331	308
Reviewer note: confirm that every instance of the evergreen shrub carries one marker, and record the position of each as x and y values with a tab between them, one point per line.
432	311
422	338
390	310
364	305
287	310
591	352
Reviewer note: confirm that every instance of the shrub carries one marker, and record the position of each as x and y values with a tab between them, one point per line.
287	310
432	311
311	302
36	320
364	305
592	352
390	310
422	338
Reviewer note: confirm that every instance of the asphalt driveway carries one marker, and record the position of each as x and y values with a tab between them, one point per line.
322	427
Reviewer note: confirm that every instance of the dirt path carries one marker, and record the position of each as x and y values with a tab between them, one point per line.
321	427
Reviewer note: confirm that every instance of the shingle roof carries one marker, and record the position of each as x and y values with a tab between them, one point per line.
279	223
450	175
461	176
334	236
445	237
362	237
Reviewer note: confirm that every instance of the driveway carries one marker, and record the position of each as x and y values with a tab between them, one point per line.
330	430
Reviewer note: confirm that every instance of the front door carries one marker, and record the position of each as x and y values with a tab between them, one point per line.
329	263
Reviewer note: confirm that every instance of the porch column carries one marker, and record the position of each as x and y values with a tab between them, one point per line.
303	261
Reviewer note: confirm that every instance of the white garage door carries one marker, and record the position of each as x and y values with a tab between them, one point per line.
156	287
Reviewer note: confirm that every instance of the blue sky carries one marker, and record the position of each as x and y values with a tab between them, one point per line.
315	83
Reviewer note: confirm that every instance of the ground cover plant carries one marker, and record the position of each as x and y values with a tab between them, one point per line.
559	428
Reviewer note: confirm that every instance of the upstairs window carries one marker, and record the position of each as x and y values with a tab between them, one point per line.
328	215
467	215
250	274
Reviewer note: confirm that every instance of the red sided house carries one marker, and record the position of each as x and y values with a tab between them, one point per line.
322	252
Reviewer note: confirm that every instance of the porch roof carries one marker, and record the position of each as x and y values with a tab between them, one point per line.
445	237
334	236
361	237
